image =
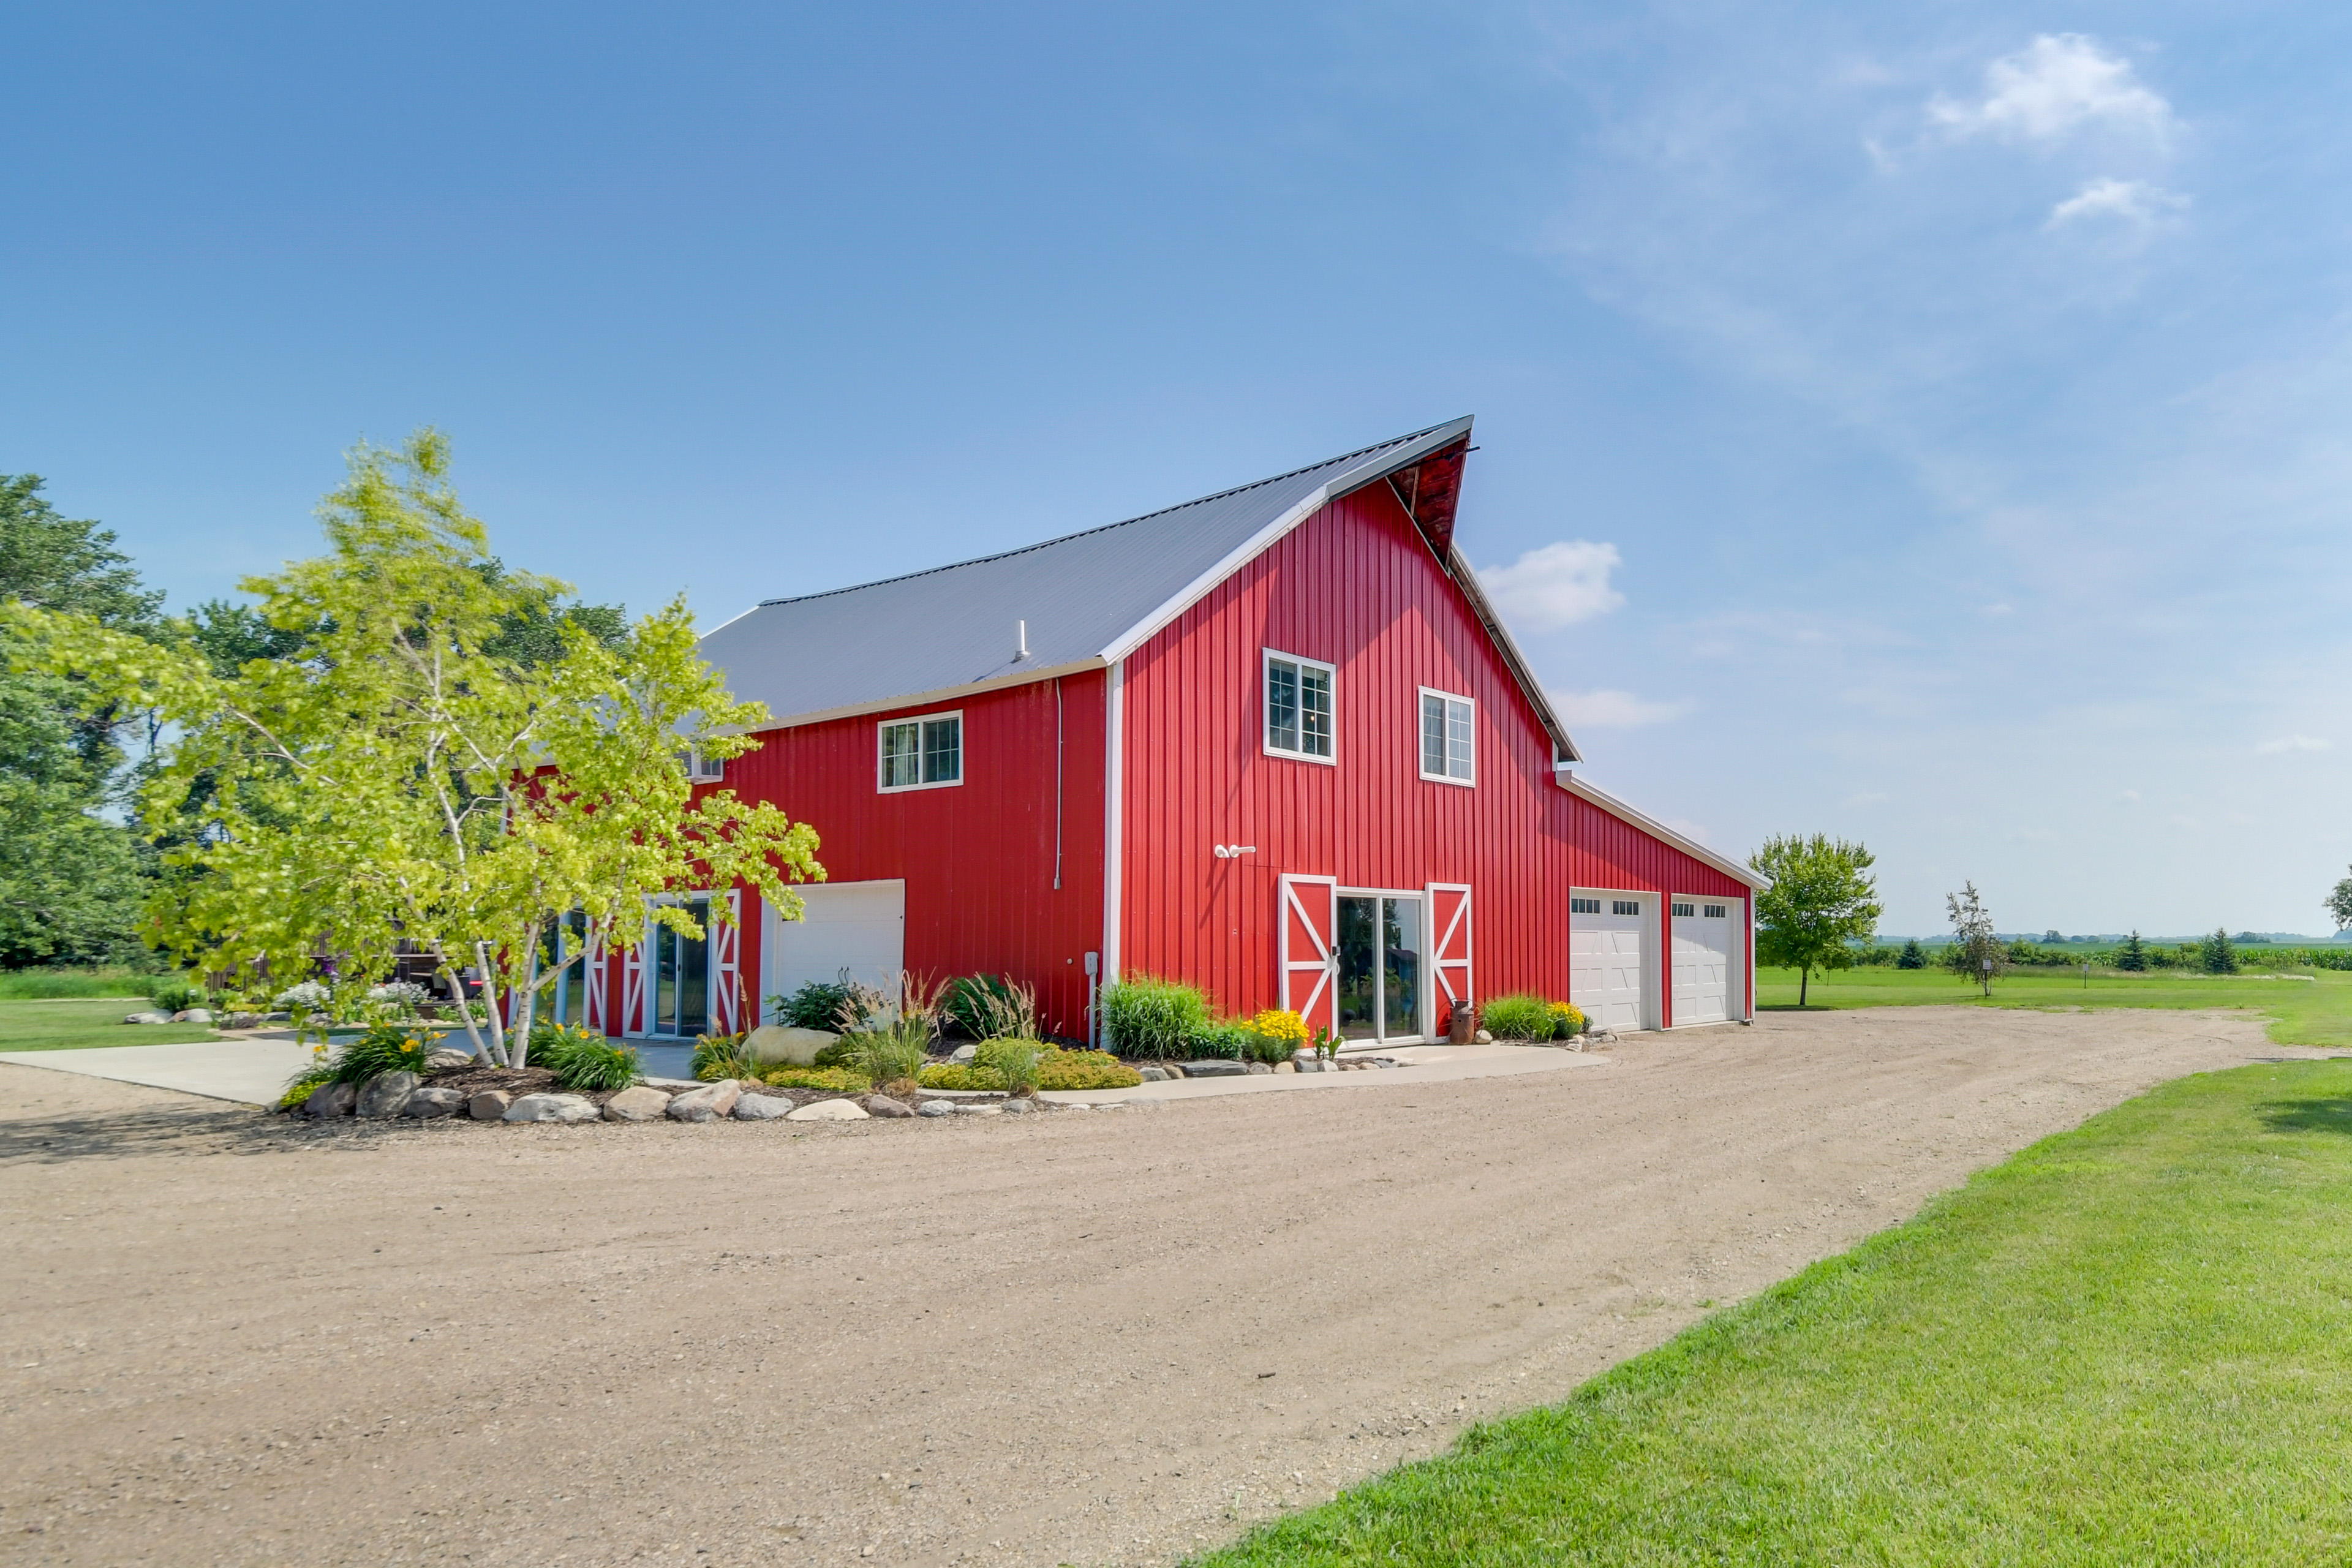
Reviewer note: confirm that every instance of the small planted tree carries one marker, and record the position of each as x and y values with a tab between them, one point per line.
1913	956
1975	954
1820	902
2215	956
407	772
2132	957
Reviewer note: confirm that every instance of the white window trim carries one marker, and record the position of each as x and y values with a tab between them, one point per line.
881	725
700	769
1421	758
1264	679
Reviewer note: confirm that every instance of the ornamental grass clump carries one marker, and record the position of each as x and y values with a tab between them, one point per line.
1519	1017
1015	1062
990	1007
584	1061
890	1050
722	1056
1150	1017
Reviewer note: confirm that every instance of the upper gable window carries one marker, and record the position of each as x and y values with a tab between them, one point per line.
921	754
1298	707
1449	730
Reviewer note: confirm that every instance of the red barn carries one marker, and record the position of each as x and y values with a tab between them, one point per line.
1273	741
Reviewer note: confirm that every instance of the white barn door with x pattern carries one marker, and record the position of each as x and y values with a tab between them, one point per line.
1449	951
726	942
1309	914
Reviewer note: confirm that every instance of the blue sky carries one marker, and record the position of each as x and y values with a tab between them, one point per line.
1924	424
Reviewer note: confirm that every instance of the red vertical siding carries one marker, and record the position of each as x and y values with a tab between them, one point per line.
1356	587
977	859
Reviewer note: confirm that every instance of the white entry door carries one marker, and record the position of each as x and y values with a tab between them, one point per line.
857	926
1704	949
1608	977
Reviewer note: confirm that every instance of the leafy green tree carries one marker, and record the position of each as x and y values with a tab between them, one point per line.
70	878
2132	957
416	772
1913	956
2338	904
1975	954
1820	900
2215	956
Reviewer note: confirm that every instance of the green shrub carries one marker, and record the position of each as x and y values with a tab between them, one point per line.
722	1056
816	1005
990	1007
1568	1020
834	1080
841	1053
1015	1061
894	1054
300	1086
1519	1017
1143	1016
1222	1041
583	1060
958	1075
1085	1070
176	993
387	1047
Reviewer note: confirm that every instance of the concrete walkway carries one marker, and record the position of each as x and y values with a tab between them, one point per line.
1428	1064
253	1070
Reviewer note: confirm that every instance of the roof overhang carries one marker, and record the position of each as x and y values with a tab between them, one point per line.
1346	482
1739	871
933	699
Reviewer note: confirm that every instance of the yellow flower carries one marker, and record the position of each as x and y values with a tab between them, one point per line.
1280	1024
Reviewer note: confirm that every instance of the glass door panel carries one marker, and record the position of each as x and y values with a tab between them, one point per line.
681	975
1401	973
1359	969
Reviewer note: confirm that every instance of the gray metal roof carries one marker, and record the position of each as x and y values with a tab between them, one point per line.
1089	598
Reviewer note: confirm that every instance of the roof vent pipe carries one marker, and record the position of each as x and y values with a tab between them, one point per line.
1021	637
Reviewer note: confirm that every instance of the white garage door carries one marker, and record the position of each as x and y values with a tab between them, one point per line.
857	926
1606	934
1704	948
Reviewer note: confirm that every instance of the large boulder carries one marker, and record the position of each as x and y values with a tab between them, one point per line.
149	1016
489	1105
772	1045
242	1021
762	1107
640	1103
936	1108
553	1108
448	1059
332	1100
1215	1067
386	1094
884	1106
708	1103
429	1101
829	1110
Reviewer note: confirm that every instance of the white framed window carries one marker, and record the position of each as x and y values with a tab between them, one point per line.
700	769
1298	708
922	752
1449	729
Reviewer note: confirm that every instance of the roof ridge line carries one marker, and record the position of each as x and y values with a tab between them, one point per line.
1107	527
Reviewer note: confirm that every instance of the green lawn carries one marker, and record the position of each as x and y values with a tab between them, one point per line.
2314	1011
2126	1345
43	984
67	1026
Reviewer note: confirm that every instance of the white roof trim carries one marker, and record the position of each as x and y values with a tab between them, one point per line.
1354	479
922	699
1737	870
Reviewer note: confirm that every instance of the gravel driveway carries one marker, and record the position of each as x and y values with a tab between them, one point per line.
1087	1337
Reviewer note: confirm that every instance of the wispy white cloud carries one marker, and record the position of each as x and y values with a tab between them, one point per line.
2055	85
2135	203
1609	710
1555	586
2286	744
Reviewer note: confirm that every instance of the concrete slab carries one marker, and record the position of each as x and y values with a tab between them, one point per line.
251	1071
1428	1064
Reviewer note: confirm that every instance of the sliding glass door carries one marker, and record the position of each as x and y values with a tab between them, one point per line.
1380	942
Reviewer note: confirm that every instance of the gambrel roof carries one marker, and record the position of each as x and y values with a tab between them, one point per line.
1088	599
